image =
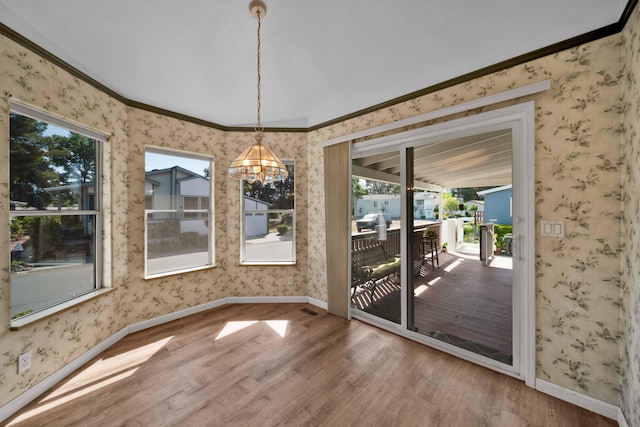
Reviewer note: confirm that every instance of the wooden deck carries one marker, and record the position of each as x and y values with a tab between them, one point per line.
461	302
288	365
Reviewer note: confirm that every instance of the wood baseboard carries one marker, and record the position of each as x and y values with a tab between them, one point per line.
34	392
600	407
583	401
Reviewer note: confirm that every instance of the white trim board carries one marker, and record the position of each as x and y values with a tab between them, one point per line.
520	118
6	411
465	106
34	392
589	403
146	324
25	109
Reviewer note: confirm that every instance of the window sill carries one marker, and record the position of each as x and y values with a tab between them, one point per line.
25	321
267	263
174	272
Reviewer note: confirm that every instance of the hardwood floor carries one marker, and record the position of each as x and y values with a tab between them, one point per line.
462	301
468	301
288	364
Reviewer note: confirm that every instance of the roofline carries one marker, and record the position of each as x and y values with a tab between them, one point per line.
495	190
159	171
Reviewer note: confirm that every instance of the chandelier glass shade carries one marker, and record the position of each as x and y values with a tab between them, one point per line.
257	163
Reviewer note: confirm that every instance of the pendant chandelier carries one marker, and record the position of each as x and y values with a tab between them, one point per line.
257	163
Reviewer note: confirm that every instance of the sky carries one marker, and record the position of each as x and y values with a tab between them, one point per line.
152	160
54	130
162	161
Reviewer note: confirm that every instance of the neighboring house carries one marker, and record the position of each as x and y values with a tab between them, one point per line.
255	223
372	203
192	190
497	204
424	205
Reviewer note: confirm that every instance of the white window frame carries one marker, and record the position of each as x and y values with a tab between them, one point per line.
256	212
203	211
102	223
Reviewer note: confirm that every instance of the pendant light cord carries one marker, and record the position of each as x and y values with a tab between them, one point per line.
259	127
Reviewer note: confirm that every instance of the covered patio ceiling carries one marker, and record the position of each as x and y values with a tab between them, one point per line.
481	160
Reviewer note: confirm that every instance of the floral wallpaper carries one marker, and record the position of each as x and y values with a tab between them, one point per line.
155	297
58	340
630	283
580	165
63	337
578	169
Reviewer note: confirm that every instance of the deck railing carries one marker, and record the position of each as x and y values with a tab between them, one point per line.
392	243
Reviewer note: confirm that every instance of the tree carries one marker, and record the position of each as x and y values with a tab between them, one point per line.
357	191
259	191
380	187
284	191
449	203
29	168
75	157
469	193
279	194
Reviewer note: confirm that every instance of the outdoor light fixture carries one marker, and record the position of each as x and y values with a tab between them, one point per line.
258	163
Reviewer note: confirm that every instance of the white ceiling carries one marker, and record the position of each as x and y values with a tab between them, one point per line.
320	59
479	160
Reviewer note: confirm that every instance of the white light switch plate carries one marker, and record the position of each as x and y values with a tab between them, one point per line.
552	228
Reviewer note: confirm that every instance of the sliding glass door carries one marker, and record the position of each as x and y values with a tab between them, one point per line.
462	295
376	267
442	237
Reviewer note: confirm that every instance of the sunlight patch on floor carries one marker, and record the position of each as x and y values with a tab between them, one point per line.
104	368
101	373
453	265
279	327
420	289
71	396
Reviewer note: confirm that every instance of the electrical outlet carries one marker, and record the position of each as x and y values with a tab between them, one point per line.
24	362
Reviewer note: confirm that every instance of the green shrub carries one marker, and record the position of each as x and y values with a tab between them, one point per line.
282	229
287	219
500	231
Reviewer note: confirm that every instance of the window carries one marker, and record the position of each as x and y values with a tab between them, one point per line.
268	229
55	211
178	212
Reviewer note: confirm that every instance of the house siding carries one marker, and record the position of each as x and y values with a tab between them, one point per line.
498	207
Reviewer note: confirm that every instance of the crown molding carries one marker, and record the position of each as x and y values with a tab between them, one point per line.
539	53
536	54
